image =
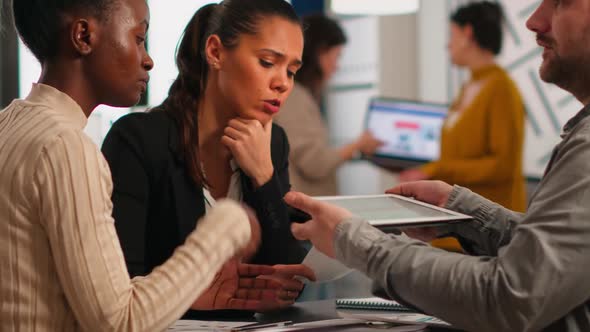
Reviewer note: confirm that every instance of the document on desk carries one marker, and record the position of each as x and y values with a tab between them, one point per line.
340	323
202	326
325	268
315	325
394	317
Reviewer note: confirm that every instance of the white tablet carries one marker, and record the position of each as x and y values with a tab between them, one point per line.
394	210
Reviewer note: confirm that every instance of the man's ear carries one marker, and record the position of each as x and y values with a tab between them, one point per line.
83	36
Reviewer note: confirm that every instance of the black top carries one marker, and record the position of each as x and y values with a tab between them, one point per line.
157	204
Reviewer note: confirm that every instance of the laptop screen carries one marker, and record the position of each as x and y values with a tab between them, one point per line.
411	130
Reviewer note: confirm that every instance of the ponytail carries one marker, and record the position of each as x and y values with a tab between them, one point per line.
185	92
190	59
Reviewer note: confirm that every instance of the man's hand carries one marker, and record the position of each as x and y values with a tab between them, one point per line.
432	192
412	175
324	219
237	286
425	234
288	277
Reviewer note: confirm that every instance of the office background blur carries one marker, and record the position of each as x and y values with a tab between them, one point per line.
400	54
394	55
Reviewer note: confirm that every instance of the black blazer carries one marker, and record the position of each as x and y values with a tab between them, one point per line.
157	204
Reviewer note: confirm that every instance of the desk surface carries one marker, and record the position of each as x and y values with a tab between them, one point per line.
313	311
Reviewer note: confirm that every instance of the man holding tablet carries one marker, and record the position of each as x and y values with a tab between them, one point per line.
394	211
529	271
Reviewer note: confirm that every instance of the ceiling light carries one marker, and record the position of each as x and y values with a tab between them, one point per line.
374	7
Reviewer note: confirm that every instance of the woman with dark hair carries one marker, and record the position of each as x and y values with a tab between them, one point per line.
213	137
313	161
482	137
62	268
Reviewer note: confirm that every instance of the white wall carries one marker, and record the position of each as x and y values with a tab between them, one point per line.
167	23
432	26
378	60
29	70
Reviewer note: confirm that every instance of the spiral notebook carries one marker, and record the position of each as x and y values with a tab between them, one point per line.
380	310
371	303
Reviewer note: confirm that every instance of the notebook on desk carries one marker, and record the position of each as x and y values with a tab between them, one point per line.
405	318
370	303
378	309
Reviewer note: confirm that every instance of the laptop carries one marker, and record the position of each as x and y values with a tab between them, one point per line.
410	129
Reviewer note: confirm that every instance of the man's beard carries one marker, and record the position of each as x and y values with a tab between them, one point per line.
569	73
560	71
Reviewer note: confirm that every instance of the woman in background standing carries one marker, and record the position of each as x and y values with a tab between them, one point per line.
313	161
482	137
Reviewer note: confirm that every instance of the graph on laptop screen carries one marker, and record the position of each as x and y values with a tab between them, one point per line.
411	130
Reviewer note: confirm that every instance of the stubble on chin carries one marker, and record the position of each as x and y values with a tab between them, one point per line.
550	71
569	72
572	75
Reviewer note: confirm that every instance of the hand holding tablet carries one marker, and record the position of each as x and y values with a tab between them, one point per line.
384	211
389	210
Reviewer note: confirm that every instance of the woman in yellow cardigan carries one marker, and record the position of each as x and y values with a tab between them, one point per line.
482	137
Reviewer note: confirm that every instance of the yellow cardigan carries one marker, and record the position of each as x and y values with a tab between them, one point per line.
482	150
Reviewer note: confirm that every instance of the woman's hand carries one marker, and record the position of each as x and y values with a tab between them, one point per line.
239	286
249	143
288	277
368	144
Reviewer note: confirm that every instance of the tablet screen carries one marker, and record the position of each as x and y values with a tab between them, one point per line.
386	208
